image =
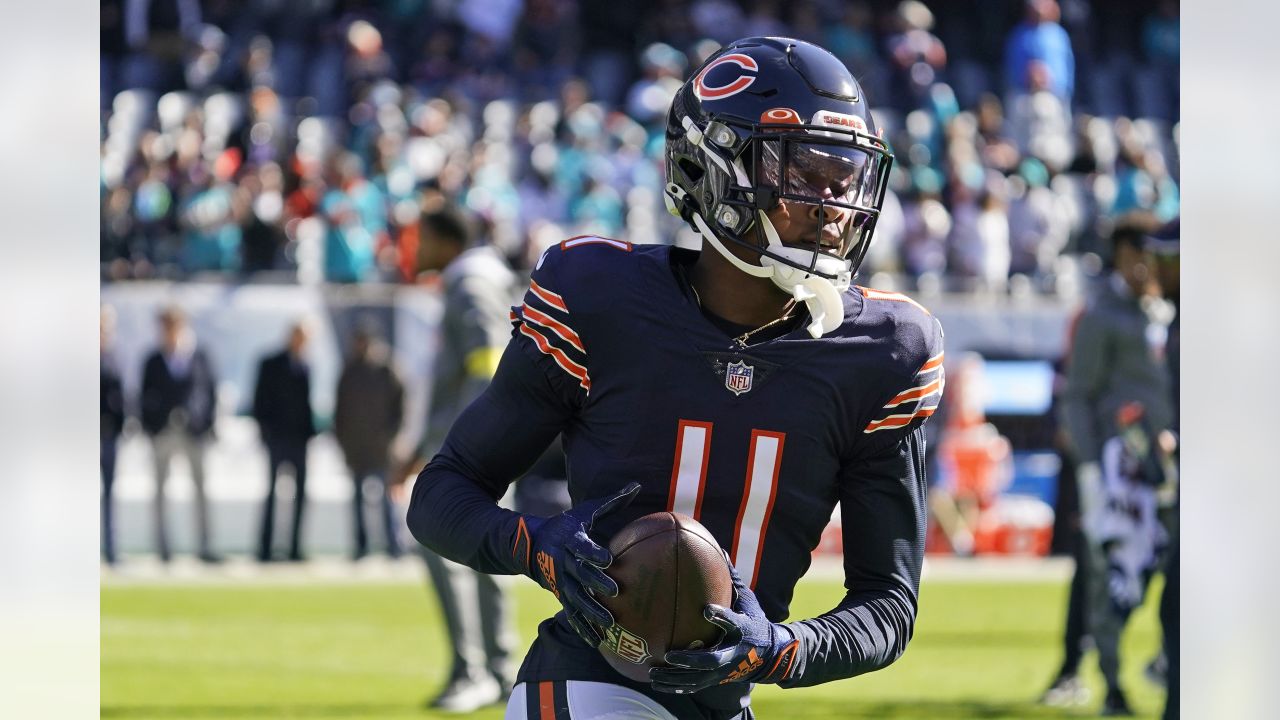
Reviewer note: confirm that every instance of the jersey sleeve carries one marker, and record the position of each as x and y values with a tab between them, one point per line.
545	328
882	494
541	384
917	398
882	501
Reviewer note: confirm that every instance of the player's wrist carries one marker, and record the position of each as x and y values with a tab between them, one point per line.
523	549
780	660
560	555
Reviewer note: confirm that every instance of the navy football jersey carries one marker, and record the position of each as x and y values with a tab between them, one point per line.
757	442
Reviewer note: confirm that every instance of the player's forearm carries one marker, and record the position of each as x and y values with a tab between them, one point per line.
883	506
458	519
866	632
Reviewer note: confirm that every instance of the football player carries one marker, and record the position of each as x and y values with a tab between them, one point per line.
751	386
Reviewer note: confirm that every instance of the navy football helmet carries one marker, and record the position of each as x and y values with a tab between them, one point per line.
765	120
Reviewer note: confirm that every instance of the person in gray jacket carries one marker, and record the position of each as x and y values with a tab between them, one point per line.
367	415
1116	359
478	289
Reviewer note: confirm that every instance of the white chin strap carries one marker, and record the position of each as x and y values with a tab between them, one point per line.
821	296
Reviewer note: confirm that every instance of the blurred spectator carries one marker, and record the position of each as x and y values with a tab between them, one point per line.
997	150
110	424
979	239
542	200
263	239
367	414
367	61
926	225
650	96
916	55
282	407
478	292
178	410
1115	360
348	207
154	216
1143	184
599	210
1136	465
1134	471
1039	223
1040	121
1040	38
210	219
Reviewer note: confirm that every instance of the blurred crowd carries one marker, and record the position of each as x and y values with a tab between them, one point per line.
299	140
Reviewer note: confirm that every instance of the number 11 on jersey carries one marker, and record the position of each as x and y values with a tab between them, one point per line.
689	479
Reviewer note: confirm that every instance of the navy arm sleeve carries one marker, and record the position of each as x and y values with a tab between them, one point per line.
454	509
883	510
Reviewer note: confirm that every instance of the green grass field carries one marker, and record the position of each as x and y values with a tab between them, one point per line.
982	650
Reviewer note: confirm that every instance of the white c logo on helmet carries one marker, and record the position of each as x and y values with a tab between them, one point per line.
742	82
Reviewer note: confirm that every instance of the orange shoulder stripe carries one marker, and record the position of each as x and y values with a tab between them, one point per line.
873	294
547	296
559	328
558	355
915	393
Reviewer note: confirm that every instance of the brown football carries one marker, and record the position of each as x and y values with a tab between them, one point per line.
668	567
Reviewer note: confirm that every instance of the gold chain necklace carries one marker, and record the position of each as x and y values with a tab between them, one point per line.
741	340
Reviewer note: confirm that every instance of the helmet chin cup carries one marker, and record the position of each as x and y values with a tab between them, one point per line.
820	295
823	301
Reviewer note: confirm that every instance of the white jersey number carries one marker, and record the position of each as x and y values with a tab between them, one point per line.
689	478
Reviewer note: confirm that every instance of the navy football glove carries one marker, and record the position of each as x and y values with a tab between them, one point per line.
753	649
560	555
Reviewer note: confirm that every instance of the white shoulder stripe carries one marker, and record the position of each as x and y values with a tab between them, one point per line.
566	333
593	240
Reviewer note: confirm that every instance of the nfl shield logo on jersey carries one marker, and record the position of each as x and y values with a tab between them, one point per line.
737	377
